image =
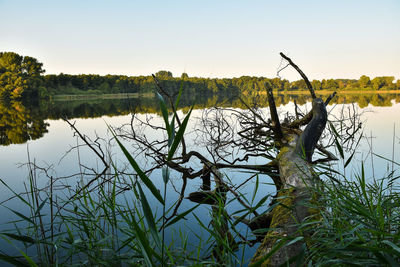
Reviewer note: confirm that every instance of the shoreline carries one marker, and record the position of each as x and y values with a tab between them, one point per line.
341	92
101	96
149	94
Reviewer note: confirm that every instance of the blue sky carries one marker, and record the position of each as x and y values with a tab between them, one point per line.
327	39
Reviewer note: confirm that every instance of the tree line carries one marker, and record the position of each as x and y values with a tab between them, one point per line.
246	85
22	76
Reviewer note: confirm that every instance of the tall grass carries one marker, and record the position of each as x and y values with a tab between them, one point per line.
99	227
358	222
113	225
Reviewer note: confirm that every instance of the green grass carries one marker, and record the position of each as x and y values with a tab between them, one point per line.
358	226
359	223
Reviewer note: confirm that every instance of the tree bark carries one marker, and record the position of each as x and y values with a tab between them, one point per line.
296	175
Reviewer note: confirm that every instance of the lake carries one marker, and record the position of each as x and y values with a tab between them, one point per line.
36	132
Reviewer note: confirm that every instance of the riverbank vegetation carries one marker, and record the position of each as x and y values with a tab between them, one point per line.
358	225
122	214
109	217
23	77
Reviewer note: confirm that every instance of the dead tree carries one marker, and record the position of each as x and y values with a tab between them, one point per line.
296	176
285	147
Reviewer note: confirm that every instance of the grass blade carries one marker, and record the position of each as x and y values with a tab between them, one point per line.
394	246
349	159
149	217
182	215
27	258
179	135
334	130
17	195
172	127
164	112
21	216
146	180
40	207
143	244
23	238
339	147
16	261
165	174
179	95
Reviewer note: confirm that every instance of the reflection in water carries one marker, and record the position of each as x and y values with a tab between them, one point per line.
363	100
49	149
20	122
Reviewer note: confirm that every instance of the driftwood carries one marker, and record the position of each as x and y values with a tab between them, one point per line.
296	176
285	154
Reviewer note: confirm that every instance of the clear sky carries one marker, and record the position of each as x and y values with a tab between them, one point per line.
207	38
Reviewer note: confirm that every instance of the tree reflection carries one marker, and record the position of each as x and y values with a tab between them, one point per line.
19	124
23	121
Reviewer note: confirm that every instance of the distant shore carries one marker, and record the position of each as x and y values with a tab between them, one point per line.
339	92
149	95
100	96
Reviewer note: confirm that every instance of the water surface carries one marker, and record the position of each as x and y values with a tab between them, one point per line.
38	133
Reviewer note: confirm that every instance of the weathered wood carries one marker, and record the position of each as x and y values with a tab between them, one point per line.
311	134
276	126
297	176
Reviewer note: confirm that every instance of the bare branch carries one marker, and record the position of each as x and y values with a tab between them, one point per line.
311	134
302	75
307	118
329	98
276	126
100	155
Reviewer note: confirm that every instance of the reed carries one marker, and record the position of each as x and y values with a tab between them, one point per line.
358	222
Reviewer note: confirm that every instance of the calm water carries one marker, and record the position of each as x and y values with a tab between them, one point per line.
37	131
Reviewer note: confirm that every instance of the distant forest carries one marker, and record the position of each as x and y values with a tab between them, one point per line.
71	84
23	77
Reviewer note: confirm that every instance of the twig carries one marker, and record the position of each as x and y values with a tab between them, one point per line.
100	156
281	69
329	155
252	111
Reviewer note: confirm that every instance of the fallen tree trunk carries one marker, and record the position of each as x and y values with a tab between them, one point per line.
296	175
291	171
